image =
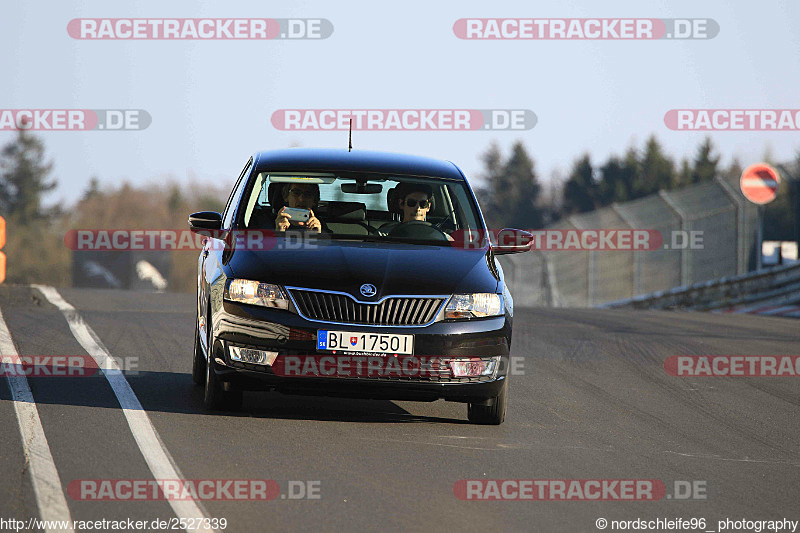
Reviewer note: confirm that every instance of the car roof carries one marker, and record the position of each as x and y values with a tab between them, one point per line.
333	160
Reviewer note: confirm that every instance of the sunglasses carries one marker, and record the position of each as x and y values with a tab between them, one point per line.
299	193
423	204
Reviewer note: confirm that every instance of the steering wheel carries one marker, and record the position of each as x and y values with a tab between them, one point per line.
418	229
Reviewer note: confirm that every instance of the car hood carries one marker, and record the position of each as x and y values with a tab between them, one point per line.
392	268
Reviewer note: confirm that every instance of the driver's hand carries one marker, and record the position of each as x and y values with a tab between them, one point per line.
282	220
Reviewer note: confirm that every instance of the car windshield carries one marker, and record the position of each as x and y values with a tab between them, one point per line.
360	206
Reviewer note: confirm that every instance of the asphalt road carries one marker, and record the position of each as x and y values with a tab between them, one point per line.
590	401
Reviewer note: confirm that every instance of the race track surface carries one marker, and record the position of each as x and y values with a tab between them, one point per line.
590	400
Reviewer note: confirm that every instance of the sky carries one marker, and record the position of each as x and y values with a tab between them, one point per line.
211	101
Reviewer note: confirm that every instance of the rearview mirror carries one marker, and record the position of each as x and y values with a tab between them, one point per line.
512	241
362	188
205	221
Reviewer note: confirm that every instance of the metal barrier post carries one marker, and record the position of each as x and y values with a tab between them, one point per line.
684	252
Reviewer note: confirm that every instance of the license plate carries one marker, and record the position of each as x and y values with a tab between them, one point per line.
348	341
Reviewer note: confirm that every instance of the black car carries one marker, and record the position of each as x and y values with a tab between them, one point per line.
393	293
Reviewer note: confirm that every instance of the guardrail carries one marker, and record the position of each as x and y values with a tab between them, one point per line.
778	284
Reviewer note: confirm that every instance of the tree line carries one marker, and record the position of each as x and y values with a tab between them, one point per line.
35	248
512	194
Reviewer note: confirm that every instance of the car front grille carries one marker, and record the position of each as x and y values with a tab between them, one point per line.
395	311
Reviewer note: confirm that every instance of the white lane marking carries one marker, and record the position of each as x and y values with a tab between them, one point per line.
44	475
745	460
158	458
780	310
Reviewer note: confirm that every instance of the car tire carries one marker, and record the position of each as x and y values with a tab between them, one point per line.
199	360
212	394
215	397
492	415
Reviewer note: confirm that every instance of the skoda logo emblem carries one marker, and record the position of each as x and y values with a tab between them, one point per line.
368	290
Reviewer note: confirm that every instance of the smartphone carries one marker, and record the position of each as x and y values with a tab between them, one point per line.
298	214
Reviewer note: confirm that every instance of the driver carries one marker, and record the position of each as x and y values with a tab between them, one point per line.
414	201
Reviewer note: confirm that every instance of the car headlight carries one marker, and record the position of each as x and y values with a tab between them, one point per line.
255	293
478	305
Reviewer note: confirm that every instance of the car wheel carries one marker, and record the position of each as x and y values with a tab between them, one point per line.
490	414
199	360
215	397
212	398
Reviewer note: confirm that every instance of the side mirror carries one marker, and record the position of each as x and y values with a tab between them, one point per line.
205	221
512	241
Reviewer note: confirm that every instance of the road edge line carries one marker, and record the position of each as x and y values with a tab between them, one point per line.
155	453
46	482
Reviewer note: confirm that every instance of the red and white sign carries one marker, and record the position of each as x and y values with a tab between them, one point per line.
759	183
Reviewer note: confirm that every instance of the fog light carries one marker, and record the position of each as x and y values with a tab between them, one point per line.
258	357
473	367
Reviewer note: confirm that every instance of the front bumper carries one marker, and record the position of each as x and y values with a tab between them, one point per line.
290	334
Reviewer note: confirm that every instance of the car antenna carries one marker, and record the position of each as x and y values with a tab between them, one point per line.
350	137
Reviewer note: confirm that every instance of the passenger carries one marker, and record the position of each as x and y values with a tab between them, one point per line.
299	195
